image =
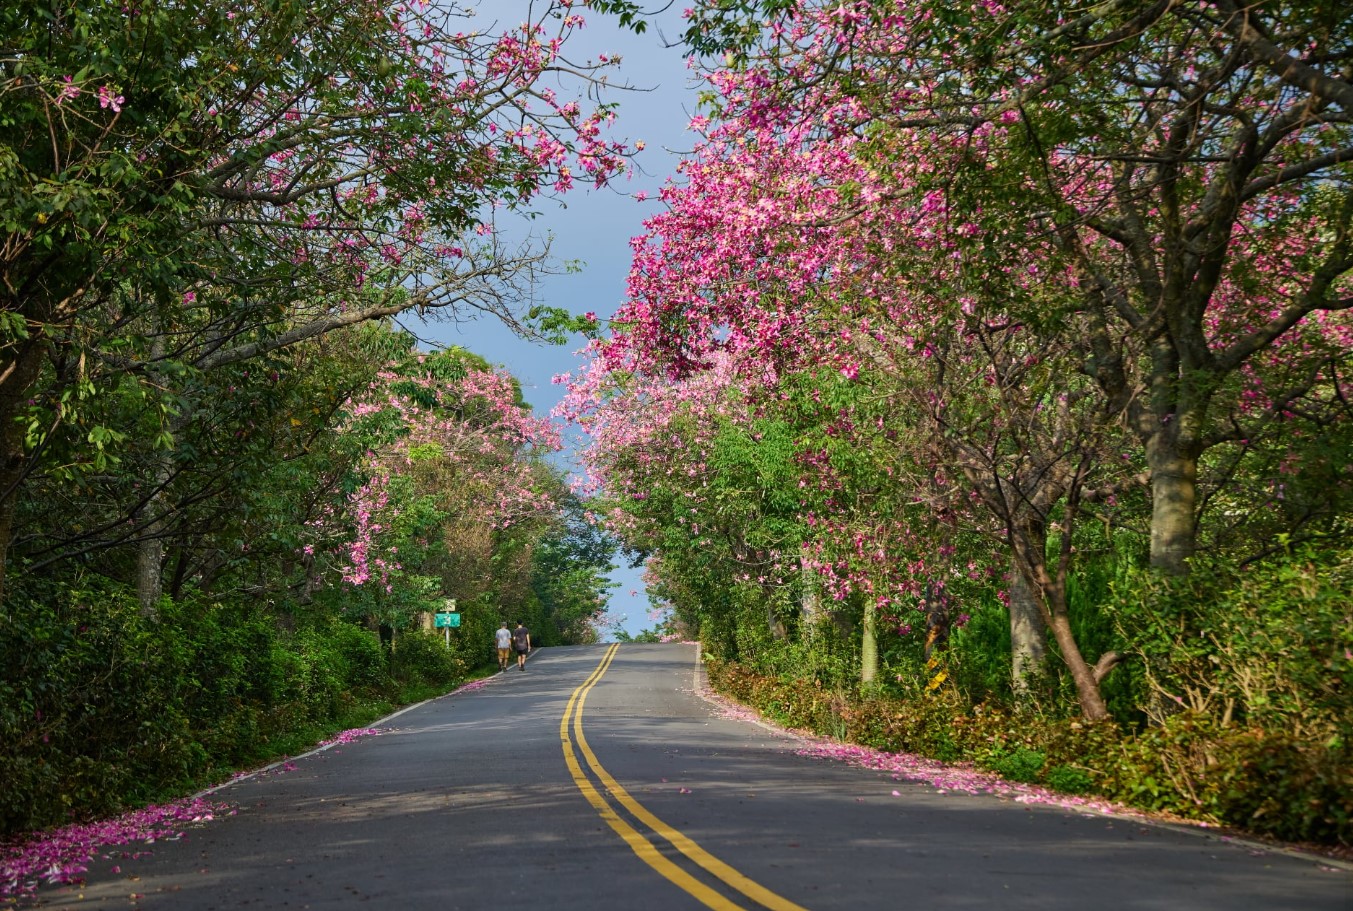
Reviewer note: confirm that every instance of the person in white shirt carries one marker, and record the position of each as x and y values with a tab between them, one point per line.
503	639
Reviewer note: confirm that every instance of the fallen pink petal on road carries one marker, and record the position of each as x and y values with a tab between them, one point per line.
61	855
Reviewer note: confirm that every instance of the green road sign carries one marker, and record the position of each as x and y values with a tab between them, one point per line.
445	619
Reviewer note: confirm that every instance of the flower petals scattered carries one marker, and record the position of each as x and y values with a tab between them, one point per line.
351	735
62	855
961	778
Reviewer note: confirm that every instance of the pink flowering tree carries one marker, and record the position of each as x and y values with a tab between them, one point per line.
451	454
749	280
856	206
1181	172
690	470
192	187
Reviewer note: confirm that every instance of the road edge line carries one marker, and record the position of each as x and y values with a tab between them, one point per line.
263	770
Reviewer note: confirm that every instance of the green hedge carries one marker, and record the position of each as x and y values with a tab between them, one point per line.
1270	782
101	708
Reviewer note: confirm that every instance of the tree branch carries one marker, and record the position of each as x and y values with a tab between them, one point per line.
1283	64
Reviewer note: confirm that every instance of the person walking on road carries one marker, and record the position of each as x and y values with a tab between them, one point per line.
503	639
521	641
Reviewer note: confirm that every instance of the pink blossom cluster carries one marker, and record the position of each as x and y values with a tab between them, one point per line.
69	90
367	507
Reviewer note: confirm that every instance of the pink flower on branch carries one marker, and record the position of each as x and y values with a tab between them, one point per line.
108	100
69	90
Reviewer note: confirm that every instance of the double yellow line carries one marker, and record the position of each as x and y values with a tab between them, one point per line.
639	842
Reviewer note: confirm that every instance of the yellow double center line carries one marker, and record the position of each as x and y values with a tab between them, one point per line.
639	842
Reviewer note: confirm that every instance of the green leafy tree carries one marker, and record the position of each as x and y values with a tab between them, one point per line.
569	571
187	187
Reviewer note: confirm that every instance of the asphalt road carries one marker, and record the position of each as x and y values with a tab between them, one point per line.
493	798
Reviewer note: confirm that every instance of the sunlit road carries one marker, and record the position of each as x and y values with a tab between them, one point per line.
494	799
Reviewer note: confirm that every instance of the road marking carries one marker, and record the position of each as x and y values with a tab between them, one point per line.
638	842
640	845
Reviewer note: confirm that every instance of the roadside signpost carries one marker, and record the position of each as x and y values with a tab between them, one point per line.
447	619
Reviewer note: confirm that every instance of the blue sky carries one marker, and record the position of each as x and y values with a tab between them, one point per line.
594	227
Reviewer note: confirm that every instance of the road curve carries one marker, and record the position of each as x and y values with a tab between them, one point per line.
599	779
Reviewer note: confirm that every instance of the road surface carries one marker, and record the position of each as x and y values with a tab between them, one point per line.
599	779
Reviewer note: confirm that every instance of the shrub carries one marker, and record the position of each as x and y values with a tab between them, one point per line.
1020	764
364	663
1267	646
422	659
91	708
232	676
1069	780
909	726
1270	782
101	708
1273	783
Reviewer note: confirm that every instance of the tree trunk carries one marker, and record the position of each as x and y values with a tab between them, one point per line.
149	571
810	597
1028	547
180	574
1174	493
16	383
869	647
937	621
778	631
1028	634
1170	427
150	549
1087	687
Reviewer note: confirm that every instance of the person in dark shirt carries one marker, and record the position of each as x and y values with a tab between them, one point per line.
521	642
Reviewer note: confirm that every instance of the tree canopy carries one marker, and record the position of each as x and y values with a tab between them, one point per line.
1070	263
189	189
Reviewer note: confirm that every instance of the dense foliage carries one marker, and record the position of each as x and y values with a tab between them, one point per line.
189	189
103	707
232	490
978	348
1249	680
325	561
